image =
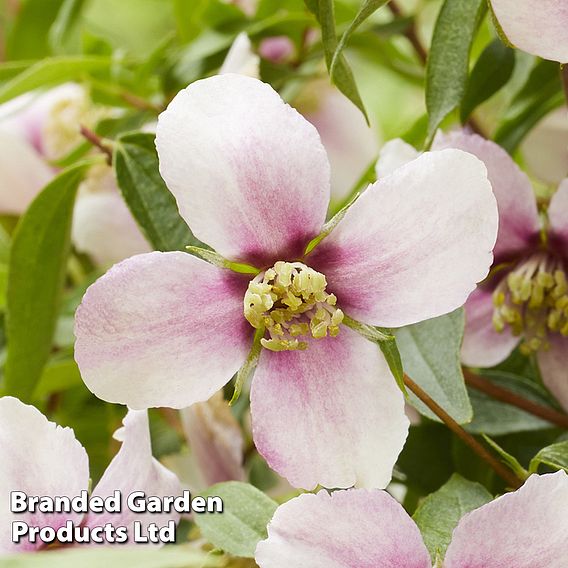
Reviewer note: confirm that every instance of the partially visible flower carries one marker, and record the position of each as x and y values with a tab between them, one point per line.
43	459
251	178
247	6
241	58
349	142
540	28
525	298
36	129
369	529
277	49
215	440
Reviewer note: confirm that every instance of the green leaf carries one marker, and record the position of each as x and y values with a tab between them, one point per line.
495	418
116	557
438	515
343	76
492	71
430	353
508	459
38	262
56	377
64	34
50	72
448	62
247	511
368	8
150	201
554	456
541	94
391	353
189	17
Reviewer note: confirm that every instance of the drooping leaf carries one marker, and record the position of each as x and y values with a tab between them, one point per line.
492	71
430	353
438	515
368	8
448	61
508	459
554	456
38	261
342	76
51	72
541	94
151	203
391	353
246	513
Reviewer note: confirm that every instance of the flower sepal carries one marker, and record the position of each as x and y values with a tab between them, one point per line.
216	259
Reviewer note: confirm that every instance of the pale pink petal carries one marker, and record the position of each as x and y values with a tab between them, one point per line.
553	365
482	345
162	329
331	415
350	144
347	529
394	153
519	224
539	28
277	49
524	529
416	242
23	174
558	217
103	228
41	459
241	58
215	440
134	469
250	174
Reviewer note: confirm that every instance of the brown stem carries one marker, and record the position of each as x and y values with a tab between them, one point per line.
138	102
410	33
512	398
564	75
97	141
505	473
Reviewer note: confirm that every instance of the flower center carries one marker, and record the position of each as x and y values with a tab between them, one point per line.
533	302
289	301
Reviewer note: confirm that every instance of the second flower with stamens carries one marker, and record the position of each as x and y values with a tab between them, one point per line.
290	301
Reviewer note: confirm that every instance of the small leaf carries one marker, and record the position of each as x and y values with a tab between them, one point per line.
438	515
38	262
342	76
50	72
368	8
391	353
554	456
508	459
430	352
492	71
448	62
151	203
246	513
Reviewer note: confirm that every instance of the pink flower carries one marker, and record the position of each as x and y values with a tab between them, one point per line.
251	178
525	298
43	459
540	28
35	129
277	49
369	529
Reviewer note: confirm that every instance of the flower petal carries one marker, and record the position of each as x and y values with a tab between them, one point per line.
249	173
524	529
553	365
331	415
23	174
482	345
415	243
394	153
41	459
134	469
558	215
215	439
543	32
350	144
519	223
358	528
241	58
162	329
104	228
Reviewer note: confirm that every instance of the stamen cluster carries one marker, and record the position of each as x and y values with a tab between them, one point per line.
289	301
533	301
